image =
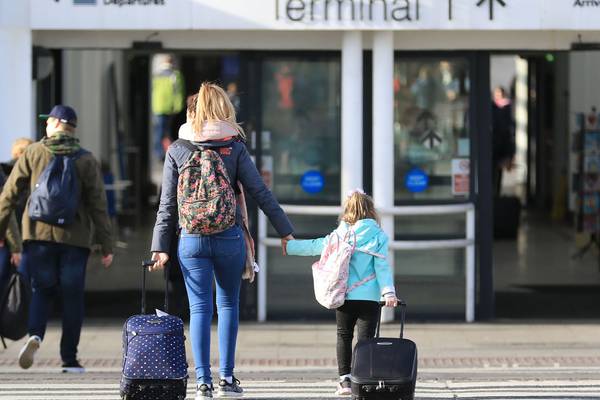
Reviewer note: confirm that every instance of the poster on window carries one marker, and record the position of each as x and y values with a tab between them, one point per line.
461	168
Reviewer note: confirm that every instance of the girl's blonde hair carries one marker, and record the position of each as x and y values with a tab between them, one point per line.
359	206
212	105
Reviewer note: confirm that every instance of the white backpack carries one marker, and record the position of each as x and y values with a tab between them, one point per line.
330	273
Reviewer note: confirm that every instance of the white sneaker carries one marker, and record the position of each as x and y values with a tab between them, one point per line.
28	351
73	368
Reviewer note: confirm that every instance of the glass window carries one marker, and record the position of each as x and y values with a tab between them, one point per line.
431	138
301	129
431	282
430	227
290	293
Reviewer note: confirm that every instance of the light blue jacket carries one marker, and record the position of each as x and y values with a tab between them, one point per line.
369	236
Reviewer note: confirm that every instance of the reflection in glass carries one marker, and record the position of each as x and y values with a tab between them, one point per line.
301	128
430	124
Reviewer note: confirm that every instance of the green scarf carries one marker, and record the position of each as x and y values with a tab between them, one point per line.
61	143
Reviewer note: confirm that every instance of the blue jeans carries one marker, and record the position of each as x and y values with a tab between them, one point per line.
223	255
57	268
5	266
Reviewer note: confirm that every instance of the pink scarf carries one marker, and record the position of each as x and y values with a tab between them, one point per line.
212	130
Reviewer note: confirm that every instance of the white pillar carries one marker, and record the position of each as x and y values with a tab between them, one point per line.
352	111
383	136
15	75
262	261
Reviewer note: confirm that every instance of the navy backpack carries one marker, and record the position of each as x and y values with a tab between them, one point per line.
55	198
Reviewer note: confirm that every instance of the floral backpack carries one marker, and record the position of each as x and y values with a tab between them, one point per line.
330	273
205	196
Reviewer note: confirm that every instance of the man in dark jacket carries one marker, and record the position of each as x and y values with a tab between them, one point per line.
57	255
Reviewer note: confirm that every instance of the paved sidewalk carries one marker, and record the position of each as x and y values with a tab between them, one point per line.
452	345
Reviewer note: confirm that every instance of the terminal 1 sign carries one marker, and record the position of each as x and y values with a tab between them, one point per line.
574	15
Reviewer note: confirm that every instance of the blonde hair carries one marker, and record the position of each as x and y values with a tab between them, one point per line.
359	206
18	147
213	104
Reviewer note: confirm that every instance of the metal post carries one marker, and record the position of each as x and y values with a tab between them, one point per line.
383	136
470	267
352	111
262	261
481	127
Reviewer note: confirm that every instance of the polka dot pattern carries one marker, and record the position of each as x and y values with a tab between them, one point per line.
153	348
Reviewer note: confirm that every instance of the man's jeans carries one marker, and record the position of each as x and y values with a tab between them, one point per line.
5	266
223	255
57	268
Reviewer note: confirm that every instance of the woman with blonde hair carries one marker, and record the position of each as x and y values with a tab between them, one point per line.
211	240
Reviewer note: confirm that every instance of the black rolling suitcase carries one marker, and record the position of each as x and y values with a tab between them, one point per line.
154	362
385	368
507	217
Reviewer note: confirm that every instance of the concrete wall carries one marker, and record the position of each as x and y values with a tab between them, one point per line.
16	98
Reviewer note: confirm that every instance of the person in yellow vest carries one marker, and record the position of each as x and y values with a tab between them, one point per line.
168	98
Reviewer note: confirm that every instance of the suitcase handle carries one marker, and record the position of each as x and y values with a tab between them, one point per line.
145	265
402	305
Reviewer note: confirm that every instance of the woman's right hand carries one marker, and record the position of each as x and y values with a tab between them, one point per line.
160	259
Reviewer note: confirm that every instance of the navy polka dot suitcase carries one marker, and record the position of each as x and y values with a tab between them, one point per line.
154	361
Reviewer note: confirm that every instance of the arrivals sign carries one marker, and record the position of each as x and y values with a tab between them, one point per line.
316	14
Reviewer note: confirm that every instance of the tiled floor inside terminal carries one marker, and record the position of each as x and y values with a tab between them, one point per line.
538	275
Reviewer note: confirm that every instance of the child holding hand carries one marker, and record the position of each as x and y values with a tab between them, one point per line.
369	277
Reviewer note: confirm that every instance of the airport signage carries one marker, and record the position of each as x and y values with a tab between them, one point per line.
574	15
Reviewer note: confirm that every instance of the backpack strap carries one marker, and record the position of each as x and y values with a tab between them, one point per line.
361	282
370	253
348	238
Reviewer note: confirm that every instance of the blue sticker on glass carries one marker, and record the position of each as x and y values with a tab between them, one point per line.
416	180
312	182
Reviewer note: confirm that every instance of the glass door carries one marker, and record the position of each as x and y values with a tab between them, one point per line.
432	147
299	146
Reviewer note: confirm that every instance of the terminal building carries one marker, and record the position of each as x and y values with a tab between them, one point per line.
391	96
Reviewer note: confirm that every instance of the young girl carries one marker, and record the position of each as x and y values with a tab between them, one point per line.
361	306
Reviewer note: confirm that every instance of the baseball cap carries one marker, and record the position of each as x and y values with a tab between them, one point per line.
65	114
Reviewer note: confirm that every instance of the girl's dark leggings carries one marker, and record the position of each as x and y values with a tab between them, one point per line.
364	314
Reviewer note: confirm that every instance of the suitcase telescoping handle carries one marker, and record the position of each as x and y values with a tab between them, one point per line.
145	265
402	306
